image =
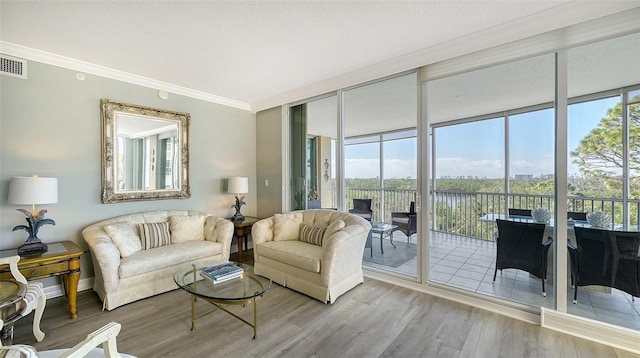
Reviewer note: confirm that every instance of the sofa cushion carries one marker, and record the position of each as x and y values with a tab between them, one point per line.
154	235
186	228
295	253
312	234
333	227
167	256
125	238
286	226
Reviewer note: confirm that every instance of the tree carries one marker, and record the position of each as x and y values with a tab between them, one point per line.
601	151
602	148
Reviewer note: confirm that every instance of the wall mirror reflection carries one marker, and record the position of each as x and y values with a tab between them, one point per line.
145	153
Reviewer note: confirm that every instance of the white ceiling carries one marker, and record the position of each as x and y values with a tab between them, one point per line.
254	51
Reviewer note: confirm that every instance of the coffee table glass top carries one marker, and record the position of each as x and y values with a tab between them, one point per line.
247	286
380	227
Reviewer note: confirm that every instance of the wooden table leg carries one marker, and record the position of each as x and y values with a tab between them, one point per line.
240	248
71	286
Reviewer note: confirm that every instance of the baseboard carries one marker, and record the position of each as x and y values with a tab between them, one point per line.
601	332
58	290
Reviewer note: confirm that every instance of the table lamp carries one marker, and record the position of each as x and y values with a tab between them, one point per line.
237	186
31	191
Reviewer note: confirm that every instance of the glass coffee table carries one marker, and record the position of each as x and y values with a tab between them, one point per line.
237	291
383	229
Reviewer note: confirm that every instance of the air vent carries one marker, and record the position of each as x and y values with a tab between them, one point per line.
12	66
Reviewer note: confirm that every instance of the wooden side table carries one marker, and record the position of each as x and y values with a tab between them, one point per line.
241	231
62	259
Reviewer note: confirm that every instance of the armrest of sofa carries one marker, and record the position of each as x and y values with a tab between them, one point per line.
261	231
219	230
106	257
342	252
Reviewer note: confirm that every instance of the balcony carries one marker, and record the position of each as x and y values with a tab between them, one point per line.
462	251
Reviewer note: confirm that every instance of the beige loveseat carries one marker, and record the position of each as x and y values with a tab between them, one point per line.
135	256
324	269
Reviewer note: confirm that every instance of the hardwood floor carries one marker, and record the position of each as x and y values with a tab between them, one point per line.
375	319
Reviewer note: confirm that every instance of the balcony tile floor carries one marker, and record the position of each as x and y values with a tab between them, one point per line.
468	263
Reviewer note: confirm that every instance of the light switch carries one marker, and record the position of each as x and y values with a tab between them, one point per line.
266	182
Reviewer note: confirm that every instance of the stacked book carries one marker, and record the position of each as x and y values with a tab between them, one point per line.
222	272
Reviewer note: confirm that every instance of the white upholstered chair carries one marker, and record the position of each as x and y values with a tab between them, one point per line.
105	336
34	299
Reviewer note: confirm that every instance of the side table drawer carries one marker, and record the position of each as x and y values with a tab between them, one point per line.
45	270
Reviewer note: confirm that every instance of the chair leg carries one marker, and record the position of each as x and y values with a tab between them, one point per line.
495	272
575	294
544	277
37	332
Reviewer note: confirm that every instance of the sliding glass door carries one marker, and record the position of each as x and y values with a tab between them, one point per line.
604	173
493	150
380	151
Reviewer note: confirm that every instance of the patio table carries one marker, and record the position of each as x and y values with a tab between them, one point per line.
571	235
491	218
383	229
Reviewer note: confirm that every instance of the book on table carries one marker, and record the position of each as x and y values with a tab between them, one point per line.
222	272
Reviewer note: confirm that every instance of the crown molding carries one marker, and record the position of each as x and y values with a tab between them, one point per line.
28	53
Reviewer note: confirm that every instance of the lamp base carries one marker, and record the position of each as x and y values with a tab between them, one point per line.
238	218
32	249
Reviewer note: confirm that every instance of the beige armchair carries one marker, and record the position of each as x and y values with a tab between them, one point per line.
317	252
34	299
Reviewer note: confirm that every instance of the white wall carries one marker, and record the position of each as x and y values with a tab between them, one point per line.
50	125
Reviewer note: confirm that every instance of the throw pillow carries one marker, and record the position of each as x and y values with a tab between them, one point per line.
312	234
286	226
154	235
186	228
125	238
333	227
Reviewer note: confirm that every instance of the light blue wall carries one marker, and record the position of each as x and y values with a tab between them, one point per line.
50	125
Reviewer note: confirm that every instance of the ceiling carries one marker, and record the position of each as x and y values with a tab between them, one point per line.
254	52
391	104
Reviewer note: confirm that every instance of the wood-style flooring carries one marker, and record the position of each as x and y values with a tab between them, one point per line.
375	319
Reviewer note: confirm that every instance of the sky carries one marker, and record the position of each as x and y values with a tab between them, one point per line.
477	148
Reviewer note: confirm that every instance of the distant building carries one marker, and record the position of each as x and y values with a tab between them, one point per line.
523	176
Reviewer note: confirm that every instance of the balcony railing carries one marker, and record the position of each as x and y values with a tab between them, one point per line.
384	201
460	212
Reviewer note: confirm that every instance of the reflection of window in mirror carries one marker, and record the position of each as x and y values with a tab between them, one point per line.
147	158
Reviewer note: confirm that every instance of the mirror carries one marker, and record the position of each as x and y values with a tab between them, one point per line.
145	153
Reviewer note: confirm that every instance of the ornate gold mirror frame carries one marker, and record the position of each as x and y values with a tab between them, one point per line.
145	153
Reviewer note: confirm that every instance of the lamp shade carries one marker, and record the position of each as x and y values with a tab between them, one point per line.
33	190
238	185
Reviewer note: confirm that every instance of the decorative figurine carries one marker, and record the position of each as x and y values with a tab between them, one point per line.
33	245
238	217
